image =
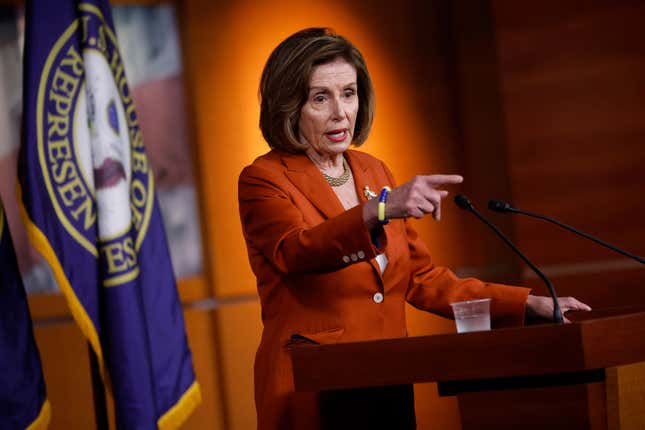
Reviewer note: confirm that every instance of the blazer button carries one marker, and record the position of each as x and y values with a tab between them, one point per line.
354	257
346	258
361	254
378	297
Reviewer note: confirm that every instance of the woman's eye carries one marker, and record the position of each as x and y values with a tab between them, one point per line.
319	98
349	93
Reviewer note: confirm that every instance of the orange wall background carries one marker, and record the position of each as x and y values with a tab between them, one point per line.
226	45
460	87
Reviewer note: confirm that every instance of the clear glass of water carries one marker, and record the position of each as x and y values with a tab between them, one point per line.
472	315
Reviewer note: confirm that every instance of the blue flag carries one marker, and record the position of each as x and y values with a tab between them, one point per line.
23	401
89	205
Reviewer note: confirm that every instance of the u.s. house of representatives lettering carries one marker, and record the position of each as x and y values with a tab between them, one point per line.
91	149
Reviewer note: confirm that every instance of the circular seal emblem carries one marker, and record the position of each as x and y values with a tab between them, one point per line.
91	149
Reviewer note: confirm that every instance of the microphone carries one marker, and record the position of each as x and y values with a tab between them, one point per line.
504	207
463	202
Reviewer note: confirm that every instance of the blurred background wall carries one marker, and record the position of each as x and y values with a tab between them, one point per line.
540	103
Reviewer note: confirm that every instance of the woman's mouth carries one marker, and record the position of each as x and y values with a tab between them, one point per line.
337	135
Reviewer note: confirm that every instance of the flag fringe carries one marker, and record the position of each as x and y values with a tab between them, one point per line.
42	420
176	415
83	320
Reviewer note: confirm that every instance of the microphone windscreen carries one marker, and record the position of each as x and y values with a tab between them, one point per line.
463	202
498	206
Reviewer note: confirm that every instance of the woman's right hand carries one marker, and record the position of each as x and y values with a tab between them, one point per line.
416	198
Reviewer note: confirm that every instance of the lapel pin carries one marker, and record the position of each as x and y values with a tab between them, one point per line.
368	193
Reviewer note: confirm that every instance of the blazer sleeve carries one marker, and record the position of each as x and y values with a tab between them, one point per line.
432	288
274	226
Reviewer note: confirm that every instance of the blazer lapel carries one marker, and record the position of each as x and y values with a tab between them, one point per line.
362	177
302	172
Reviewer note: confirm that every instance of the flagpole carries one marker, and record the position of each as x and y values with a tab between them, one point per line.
98	389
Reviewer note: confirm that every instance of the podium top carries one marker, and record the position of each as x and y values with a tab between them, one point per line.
533	350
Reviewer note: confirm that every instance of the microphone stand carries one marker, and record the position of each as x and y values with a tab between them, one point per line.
463	202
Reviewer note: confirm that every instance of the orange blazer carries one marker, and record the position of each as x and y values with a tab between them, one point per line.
317	276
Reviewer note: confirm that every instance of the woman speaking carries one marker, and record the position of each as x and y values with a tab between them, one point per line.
328	239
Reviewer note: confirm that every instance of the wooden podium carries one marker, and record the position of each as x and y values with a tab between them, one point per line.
534	377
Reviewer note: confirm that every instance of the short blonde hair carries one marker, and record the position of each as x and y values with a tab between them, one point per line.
284	86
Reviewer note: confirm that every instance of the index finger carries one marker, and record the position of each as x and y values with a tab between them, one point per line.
444	179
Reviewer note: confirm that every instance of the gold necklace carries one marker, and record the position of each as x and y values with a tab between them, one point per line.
342	179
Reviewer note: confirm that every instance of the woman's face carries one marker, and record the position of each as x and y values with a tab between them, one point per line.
328	116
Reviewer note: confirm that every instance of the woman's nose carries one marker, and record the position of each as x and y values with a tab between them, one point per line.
338	109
